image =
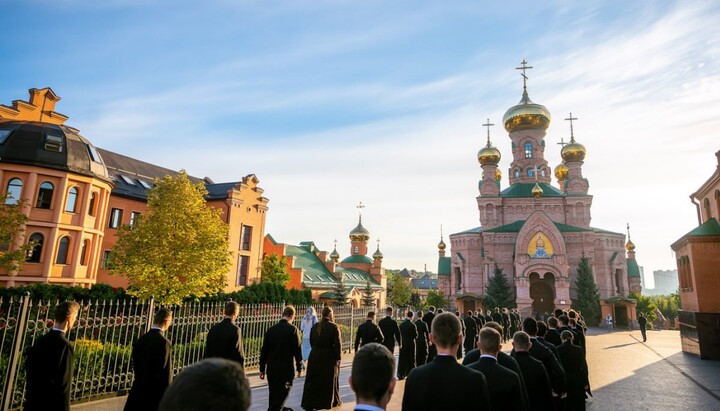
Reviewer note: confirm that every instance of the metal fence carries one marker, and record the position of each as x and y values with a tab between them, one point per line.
106	330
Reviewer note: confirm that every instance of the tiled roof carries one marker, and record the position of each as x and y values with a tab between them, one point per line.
424	284
444	266
708	228
357	278
316	273
476	230
357	259
525	190
516	226
632	268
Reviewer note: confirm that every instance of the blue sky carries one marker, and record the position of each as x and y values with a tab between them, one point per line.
334	102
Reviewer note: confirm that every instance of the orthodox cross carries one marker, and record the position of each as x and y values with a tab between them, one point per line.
570	119
488	125
378	243
562	142
524	67
360	208
441	233
628	230
335	243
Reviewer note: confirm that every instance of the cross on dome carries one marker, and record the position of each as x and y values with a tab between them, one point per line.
572	135
488	125
524	67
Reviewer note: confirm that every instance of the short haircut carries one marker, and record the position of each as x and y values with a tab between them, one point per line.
372	370
440	310
552	322
572	314
558	312
66	309
371	314
495	326
445	329
521	340
567	335
530	326
489	340
572	321
419	314
389	310
231	308
541	329
563	319
289	311
410	313
431	308
161	316
470	313
213	384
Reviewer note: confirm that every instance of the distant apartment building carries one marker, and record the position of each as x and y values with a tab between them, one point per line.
666	282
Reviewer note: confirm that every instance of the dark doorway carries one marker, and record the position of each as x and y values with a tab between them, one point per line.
468	305
543	297
621	317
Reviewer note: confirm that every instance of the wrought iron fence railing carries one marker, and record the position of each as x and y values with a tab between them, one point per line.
106	330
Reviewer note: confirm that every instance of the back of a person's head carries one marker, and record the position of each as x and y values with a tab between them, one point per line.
567	336
530	326
572	322
372	370
419	314
66	309
563	319
410	313
161	316
521	340
445	329
541	329
440	310
552	322
213	384
389	310
470	313
327	313
495	326
489	340
431	308
371	314
558	312
231	308
288	311
497	309
572	314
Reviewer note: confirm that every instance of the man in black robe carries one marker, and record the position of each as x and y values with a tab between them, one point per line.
506	324
152	361
390	330
406	360
443	384
542	353
642	321
281	345
49	364
504	385
471	332
579	338
537	382
368	332
423	340
552	335
224	340
573	361
428	319
541	332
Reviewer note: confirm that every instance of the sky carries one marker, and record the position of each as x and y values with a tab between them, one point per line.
330	103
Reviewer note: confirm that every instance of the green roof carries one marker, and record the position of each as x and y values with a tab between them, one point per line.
708	228
476	230
444	266
357	259
632	268
354	277
516	226
525	190
314	271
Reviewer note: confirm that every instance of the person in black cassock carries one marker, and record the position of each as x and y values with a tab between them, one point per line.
49	364
390	330
443	384
368	332
643	323
322	390
152	360
542	353
224	340
537	382
423	340
428	319
540	336
462	330
573	361
471	331
281	346
372	377
504	386
552	335
406	359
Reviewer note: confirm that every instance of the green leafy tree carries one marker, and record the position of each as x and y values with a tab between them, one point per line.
399	291
436	298
415	300
667	304
177	248
273	269
341	293
12	229
588	298
368	296
645	305
499	291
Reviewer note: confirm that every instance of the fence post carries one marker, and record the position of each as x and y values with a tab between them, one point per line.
151	313
18	342
352	328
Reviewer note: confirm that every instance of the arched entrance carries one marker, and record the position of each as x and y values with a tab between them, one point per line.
542	293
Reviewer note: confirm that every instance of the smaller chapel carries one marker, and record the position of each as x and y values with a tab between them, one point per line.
534	231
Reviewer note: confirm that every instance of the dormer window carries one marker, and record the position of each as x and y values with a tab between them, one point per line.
4	134
127	179
53	143
93	154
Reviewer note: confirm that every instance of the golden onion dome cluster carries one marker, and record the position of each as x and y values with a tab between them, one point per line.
561	172
573	152
526	115
489	155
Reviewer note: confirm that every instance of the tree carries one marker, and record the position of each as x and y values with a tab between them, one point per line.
645	305
499	292
177	248
436	299
12	230
399	291
588	298
273	269
341	293
368	296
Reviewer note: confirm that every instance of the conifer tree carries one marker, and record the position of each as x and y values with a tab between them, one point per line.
588	298
341	293
499	291
368	297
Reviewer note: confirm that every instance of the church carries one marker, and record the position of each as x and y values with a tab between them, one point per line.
535	231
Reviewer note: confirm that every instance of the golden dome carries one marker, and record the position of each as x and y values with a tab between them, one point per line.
573	152
489	155
441	245
526	115
537	191
561	172
359	233
498	174
630	246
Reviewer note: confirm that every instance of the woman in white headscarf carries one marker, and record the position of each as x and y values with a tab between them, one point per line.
308	321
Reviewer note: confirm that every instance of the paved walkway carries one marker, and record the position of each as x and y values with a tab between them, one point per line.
625	374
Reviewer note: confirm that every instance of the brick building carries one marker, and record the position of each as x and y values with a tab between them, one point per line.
77	195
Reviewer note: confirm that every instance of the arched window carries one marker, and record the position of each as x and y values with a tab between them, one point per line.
706	203
517	173
14	190
531	172
35	254
356	250
84	252
45	194
91	207
528	150
71	200
63	247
